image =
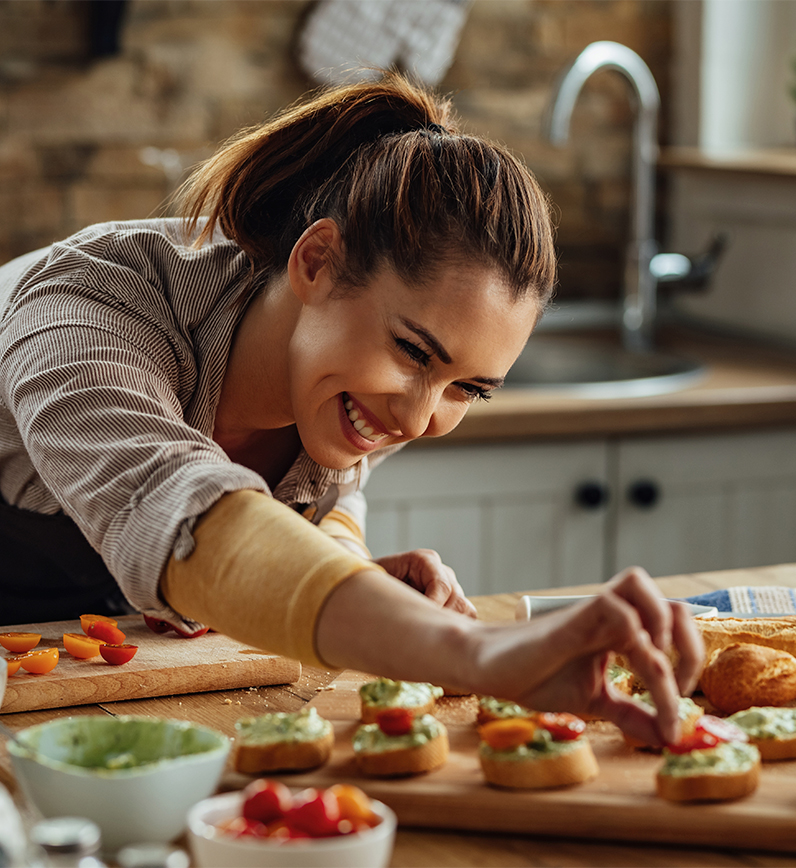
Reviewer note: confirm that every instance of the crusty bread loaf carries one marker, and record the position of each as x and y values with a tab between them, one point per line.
777	633
405	761
741	675
255	759
708	787
574	766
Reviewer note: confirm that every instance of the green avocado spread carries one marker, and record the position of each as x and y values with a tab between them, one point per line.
766	722
304	725
502	707
402	694
727	758
686	707
541	745
371	739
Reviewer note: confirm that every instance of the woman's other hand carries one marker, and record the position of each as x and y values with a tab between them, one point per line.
423	570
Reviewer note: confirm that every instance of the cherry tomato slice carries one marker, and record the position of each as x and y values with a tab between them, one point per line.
156	625
355	805
106	632
722	729
395	721
508	732
85	620
19	643
40	660
266	801
184	634
82	647
315	813
118	654
696	741
562	726
13	664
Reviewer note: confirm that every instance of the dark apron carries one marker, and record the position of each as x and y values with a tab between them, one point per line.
49	572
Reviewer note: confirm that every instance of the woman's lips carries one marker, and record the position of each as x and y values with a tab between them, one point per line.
361	423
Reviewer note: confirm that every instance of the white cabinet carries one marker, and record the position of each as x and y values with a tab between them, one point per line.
507	517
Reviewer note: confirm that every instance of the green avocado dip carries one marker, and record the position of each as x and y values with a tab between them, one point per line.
541	745
727	758
371	739
766	722
402	694
304	725
686	707
502	707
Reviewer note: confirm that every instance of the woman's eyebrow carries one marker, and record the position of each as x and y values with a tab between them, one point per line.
430	340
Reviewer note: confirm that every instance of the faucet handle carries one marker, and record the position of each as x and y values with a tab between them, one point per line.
689	273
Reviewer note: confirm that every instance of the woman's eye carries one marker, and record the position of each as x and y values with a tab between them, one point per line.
413	351
475	393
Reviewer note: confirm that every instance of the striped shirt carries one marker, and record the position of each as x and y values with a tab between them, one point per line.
113	349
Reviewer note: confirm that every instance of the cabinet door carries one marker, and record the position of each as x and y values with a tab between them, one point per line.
723	501
505	518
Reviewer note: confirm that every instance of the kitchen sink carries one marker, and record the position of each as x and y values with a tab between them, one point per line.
581	367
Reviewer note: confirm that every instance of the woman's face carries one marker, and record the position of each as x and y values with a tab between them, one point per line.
392	363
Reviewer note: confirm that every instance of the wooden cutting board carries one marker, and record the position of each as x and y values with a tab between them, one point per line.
620	804
164	665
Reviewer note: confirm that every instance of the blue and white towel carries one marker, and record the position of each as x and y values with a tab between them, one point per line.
765	600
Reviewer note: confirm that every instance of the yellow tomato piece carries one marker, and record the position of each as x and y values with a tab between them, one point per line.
82	646
507	733
18	643
354	804
39	661
13	664
85	620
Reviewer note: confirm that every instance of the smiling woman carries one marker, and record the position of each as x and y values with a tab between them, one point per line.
200	402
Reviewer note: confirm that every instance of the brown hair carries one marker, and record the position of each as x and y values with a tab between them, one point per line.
384	160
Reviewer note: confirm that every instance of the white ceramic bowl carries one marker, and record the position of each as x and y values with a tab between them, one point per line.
213	849
176	764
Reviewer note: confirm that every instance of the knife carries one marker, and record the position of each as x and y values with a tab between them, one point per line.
532	607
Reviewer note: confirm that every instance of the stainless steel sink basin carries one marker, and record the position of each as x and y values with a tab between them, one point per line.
581	367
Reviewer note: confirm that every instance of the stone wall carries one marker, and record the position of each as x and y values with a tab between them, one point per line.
86	138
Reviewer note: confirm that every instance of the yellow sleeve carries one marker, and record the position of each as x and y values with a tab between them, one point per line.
259	573
341	526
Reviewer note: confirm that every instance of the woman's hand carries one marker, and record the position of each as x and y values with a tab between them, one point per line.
568	650
424	571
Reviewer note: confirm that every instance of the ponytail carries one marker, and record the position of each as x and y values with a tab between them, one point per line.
385	161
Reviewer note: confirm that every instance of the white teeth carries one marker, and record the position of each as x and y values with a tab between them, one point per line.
353	415
366	431
361	425
349	405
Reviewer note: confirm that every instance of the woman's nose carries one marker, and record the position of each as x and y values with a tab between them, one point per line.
421	415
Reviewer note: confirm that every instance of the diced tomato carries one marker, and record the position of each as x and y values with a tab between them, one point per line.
508	732
156	625
722	729
82	647
314	812
85	620
354	806
39	661
266	801
13	664
241	827
562	726
395	721
19	643
105	631
118	654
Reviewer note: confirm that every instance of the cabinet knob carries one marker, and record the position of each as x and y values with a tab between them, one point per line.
644	493
591	495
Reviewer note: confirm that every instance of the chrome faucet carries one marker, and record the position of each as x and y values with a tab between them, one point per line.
639	306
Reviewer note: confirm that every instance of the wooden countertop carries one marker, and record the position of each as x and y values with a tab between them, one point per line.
746	385
762	162
419	848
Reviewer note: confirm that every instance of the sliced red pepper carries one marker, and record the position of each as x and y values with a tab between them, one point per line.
562	726
118	654
395	721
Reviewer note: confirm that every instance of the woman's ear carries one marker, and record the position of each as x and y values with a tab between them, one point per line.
309	266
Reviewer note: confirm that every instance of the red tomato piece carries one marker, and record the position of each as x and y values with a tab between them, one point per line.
118	654
106	632
156	625
314	812
395	721
266	801
562	726
184	634
19	643
82	647
696	741
39	660
85	620
722	729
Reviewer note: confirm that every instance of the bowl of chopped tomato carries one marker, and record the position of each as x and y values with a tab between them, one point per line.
135	777
268	825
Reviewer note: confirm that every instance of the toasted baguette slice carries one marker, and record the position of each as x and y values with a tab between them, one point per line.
573	766
283	741
770	730
417	697
405	761
711	785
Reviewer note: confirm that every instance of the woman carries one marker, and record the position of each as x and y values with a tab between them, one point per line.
190	410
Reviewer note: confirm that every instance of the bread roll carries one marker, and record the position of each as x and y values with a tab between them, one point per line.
741	675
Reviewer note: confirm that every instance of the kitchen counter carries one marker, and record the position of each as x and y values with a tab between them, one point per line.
415	847
746	385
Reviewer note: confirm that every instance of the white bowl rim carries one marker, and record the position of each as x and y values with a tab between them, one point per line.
200	828
222	748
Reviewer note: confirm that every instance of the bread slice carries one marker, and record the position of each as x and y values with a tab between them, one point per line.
712	784
283	742
742	675
381	755
771	730
574	765
418	697
491	708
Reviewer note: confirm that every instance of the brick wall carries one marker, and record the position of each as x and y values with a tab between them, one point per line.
85	139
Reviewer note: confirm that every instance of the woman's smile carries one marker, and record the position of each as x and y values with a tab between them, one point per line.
360	425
